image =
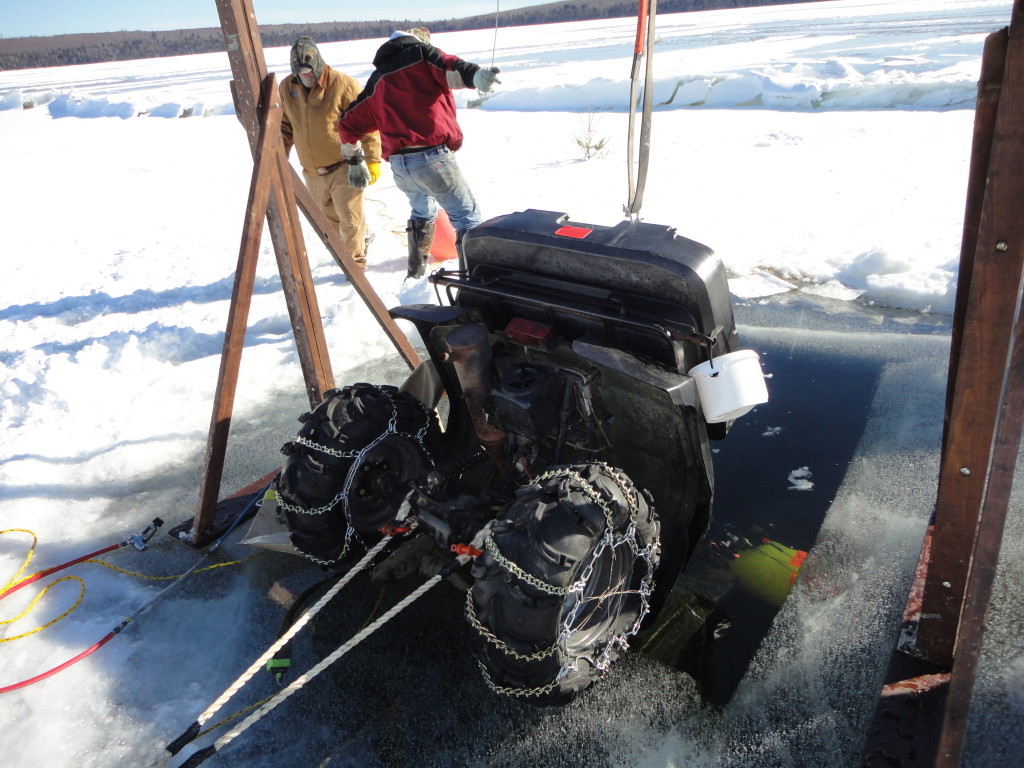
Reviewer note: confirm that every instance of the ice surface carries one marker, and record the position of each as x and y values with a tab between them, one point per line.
820	149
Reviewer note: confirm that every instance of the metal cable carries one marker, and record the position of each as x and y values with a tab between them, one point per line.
636	191
494	47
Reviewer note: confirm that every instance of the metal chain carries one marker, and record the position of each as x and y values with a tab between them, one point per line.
304	441
318	511
342	496
627	488
519	573
618	641
494	640
520	692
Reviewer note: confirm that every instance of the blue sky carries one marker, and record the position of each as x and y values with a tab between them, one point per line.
20	18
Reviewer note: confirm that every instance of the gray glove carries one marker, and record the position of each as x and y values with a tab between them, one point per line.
358	174
483	79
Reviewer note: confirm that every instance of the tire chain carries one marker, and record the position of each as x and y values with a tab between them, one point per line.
618	641
342	495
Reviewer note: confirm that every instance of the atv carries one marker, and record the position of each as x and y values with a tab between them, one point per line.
573	462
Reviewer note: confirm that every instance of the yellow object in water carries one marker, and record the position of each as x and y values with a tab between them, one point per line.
768	570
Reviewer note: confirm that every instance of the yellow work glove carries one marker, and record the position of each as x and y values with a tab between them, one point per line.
374	171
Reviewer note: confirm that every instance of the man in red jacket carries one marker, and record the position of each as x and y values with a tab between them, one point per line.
408	98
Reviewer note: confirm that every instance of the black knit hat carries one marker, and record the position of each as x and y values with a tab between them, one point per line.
305	55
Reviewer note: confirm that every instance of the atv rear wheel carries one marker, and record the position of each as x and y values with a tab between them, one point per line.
564	581
349	467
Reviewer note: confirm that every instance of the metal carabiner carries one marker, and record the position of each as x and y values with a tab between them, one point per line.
140	540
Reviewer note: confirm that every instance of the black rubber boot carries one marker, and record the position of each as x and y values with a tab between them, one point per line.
420	236
458	249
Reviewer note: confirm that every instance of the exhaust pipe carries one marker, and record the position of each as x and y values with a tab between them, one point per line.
470	353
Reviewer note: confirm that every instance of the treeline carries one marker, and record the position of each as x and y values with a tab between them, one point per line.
60	50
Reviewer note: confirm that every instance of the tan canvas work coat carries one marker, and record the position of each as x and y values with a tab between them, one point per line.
311	119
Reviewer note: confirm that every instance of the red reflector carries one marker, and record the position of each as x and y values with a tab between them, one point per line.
578	232
528	332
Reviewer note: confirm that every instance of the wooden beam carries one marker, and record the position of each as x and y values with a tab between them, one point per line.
983	381
249	69
242	40
1001	234
263	172
328	234
273	194
990	84
921	717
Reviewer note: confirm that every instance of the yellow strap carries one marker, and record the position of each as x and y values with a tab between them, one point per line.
81	594
16	579
237	715
24	563
166	578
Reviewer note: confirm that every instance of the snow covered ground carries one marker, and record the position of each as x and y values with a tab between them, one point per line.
820	149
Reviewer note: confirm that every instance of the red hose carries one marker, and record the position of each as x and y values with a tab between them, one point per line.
55	670
87	651
48	571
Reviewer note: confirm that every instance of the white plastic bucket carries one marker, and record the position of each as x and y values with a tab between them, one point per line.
732	387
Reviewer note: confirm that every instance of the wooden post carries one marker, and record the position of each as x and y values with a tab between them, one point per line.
985	380
238	313
276	192
248	66
921	718
249	69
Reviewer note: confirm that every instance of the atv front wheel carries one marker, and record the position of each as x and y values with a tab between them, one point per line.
563	582
350	466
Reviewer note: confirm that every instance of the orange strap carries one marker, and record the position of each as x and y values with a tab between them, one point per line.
641	26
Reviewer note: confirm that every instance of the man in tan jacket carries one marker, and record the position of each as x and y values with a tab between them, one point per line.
313	98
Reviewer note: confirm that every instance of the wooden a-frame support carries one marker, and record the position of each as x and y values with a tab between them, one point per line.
276	192
921	717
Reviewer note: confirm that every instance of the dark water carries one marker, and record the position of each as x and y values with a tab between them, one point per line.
856	399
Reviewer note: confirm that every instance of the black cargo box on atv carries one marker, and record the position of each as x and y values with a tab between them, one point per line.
636	278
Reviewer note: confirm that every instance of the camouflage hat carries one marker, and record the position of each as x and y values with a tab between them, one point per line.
305	55
422	33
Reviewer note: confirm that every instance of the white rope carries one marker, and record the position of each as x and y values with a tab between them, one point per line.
292	631
278	644
341	651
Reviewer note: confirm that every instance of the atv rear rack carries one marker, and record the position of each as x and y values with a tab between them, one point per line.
548	296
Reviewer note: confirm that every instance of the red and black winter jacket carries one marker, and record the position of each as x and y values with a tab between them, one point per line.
408	98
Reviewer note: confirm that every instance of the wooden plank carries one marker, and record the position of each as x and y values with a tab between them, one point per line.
982	385
943	624
297	284
263	172
249	68
329	236
1001	232
245	54
242	40
993	63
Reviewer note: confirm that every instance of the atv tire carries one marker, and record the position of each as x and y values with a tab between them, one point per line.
563	582
348	469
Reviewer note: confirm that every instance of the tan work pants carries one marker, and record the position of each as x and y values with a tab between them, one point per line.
343	206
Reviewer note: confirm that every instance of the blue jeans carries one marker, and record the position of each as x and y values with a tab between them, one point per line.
432	177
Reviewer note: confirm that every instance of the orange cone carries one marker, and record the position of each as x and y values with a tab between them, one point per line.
443	248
